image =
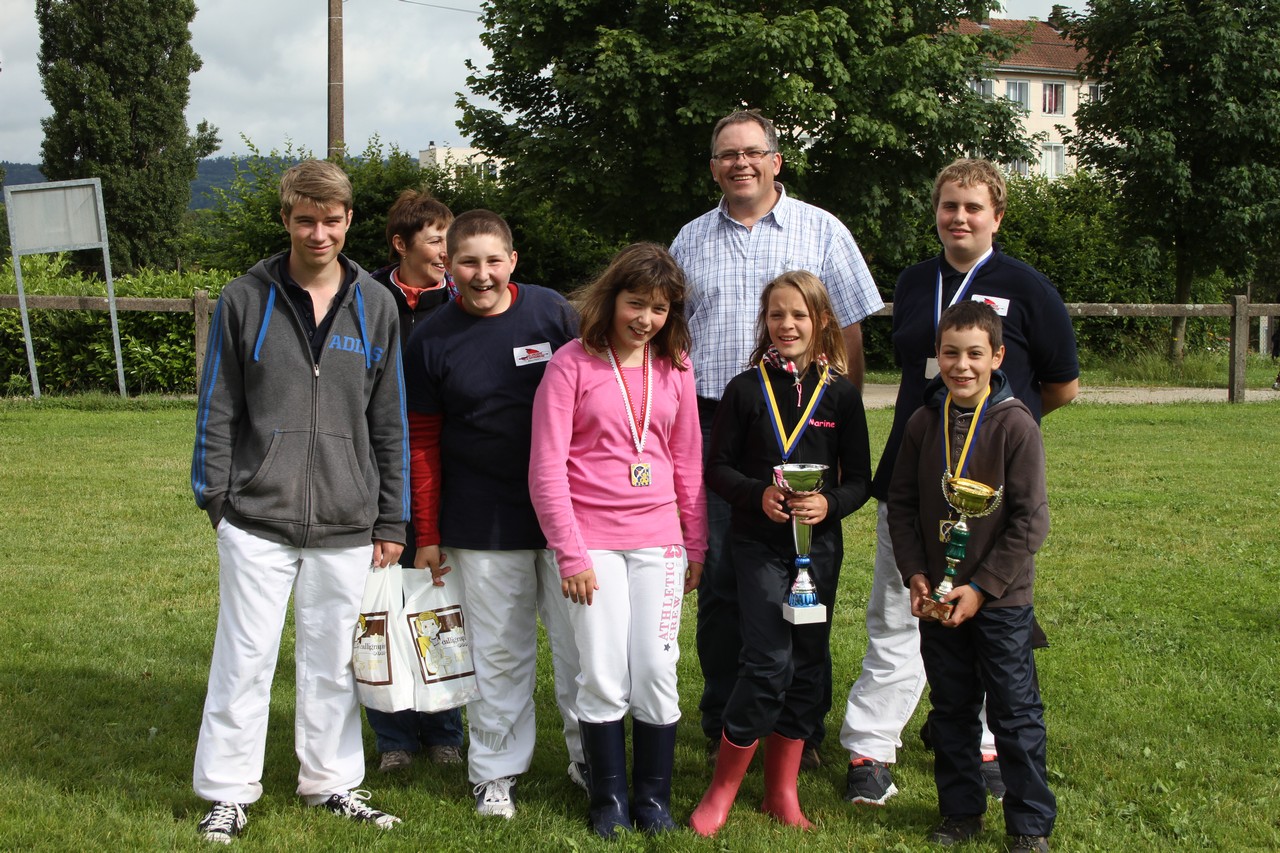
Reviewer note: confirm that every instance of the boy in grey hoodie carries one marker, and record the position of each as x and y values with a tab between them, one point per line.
300	461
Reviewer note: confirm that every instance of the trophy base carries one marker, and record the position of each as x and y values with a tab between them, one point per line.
811	615
937	610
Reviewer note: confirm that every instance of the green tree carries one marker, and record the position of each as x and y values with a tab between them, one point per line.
244	224
605	109
118	78
1189	125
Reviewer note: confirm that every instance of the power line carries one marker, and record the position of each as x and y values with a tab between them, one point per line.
475	12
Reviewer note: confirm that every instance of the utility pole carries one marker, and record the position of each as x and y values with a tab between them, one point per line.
337	143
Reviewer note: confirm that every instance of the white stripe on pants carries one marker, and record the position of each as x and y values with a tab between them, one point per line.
884	697
628	636
255	578
505	593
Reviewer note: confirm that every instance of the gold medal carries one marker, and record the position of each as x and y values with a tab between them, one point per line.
641	474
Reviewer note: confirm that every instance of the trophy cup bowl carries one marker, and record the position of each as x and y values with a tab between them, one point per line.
802	606
969	497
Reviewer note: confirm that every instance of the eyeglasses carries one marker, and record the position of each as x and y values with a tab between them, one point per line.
752	156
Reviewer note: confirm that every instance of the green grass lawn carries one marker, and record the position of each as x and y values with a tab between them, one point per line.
1161	686
1151	369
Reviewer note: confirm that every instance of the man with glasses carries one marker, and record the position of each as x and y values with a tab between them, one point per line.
729	254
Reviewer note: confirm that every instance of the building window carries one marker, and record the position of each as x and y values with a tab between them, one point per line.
1019	167
1094	92
1055	99
985	88
1053	160
1019	91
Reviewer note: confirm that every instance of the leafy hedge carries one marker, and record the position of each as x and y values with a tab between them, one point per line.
73	349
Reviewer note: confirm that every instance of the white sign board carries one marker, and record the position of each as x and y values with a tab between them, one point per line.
56	217
60	216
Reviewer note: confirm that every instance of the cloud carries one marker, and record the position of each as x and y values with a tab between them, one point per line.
265	73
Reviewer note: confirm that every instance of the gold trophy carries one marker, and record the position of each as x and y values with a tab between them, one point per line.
970	499
802	606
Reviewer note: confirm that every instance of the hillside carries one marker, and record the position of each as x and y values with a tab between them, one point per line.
210	173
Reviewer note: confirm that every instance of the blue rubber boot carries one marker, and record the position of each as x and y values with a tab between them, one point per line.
605	748
653	753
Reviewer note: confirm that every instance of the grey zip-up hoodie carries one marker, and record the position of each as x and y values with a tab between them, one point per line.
305	454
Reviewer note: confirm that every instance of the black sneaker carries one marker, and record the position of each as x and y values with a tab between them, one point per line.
223	822
992	778
954	830
352	805
1028	844
869	781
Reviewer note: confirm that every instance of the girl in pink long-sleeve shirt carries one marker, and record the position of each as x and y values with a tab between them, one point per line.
616	479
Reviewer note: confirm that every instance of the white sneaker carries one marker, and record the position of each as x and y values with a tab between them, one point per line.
578	775
352	805
497	797
223	823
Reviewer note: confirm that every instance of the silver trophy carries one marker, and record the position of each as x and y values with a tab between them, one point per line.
802	606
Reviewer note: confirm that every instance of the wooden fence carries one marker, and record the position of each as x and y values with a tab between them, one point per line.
1238	308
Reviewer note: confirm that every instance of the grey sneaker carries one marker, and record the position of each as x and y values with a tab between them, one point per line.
395	759
497	797
578	775
810	759
1028	844
353	806
869	781
444	754
223	823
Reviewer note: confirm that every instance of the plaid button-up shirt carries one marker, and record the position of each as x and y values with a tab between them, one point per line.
728	265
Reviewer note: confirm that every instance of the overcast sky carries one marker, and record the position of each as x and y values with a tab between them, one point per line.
265	71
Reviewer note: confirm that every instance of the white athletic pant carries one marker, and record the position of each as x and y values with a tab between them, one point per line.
506	592
627	637
255	578
888	689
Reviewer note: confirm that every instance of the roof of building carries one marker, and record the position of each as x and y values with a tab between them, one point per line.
1047	50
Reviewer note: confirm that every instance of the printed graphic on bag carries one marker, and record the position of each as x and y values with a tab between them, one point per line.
371	655
440	642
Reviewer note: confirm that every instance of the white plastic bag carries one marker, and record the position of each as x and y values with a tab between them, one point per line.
444	675
382	652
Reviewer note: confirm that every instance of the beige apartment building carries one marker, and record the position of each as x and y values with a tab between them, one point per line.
1042	78
462	161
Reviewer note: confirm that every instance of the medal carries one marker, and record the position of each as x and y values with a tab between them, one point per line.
639	471
787	442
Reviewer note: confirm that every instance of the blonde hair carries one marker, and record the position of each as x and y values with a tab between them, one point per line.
317	181
827	339
967	172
